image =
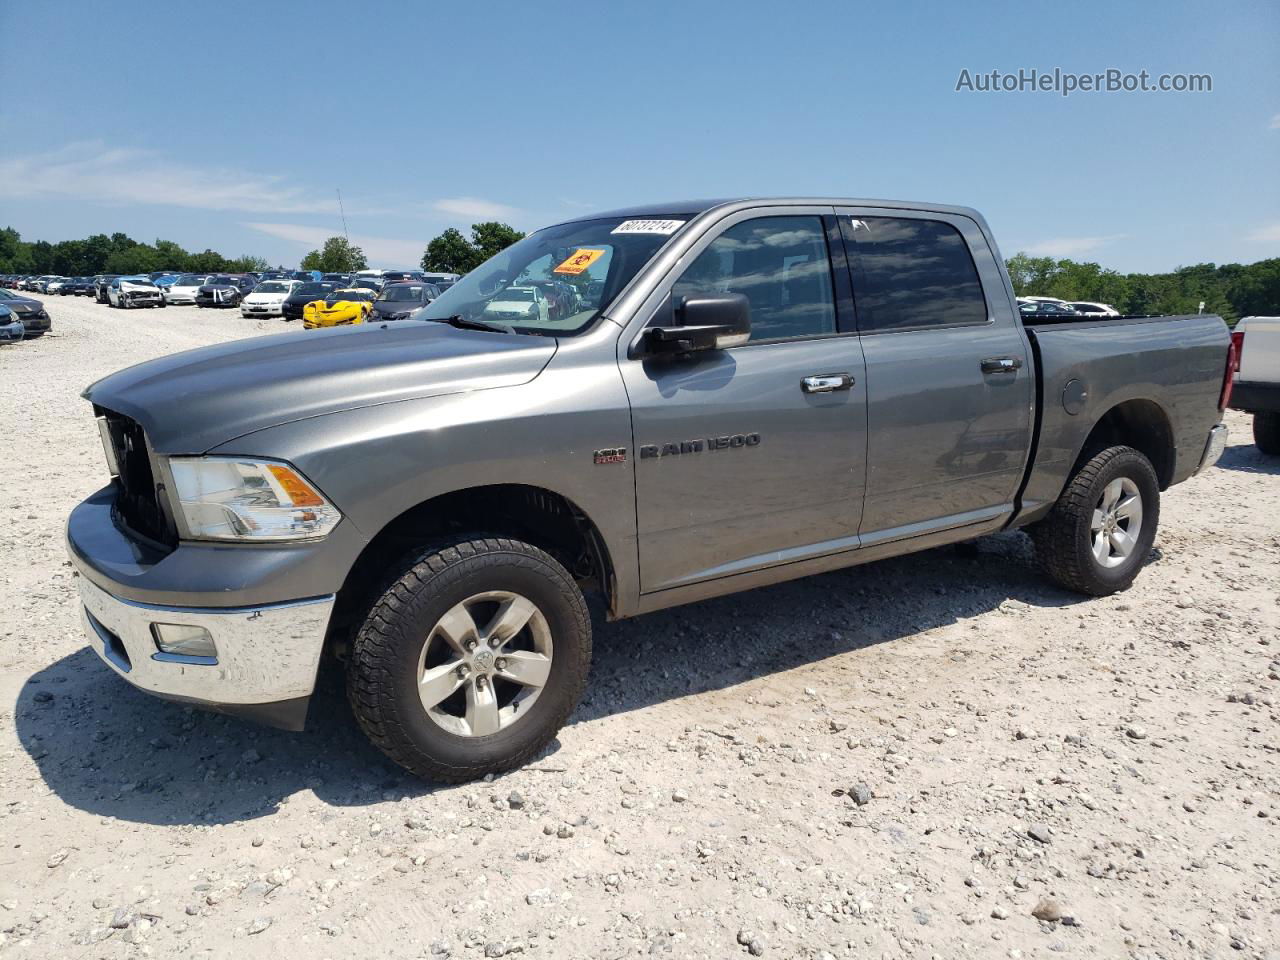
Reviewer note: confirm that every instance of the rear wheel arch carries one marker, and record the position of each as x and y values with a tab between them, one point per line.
1141	424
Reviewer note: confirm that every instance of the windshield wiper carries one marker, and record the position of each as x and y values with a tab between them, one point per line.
462	323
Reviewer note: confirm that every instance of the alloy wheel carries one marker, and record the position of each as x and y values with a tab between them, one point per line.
484	664
1116	522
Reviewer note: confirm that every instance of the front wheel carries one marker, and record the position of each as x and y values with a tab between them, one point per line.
1266	432
471	660
1101	530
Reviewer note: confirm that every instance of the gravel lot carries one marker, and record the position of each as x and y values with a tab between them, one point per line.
914	758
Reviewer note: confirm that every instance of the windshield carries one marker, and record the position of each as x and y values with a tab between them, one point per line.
314	289
272	286
405	294
577	268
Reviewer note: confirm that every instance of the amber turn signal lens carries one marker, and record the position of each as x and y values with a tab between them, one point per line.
297	489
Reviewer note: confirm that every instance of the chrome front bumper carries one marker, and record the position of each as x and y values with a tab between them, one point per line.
266	662
1213	448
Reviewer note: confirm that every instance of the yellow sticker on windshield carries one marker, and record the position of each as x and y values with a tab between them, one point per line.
579	262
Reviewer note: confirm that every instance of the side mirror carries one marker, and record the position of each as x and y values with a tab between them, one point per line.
703	323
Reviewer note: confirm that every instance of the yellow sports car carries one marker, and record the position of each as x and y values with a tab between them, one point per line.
340	308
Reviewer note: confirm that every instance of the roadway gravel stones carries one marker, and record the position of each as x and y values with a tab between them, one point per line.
979	703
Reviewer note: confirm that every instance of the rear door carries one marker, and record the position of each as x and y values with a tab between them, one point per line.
753	456
949	375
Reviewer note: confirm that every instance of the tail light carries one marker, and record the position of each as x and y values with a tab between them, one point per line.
1229	375
1237	341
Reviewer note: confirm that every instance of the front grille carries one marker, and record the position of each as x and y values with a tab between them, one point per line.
139	508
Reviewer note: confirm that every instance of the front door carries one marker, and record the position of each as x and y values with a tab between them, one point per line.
753	456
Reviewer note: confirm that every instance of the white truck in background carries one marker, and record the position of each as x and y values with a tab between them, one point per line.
1256	388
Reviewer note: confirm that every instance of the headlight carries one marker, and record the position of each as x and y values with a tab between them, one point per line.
229	498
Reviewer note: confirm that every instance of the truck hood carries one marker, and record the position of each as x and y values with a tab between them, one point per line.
191	402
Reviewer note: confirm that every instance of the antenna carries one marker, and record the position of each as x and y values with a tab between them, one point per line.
344	216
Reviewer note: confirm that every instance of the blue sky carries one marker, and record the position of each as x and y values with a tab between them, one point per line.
232	128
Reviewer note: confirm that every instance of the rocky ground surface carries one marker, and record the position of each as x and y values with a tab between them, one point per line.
936	756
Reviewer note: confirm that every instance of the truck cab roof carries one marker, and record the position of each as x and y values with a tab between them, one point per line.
695	207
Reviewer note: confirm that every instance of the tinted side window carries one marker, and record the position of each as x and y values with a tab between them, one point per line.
914	273
780	265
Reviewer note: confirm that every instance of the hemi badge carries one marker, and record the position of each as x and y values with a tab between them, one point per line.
611	455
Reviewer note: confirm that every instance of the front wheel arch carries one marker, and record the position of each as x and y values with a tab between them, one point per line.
535	515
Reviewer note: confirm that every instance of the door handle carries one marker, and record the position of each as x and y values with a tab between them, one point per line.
826	383
1001	364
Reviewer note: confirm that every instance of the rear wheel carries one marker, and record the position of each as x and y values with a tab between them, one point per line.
1100	531
1266	432
471	660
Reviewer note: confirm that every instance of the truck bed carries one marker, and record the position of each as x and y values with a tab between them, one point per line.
1164	373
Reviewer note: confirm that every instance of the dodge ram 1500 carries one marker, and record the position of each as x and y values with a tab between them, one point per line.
731	394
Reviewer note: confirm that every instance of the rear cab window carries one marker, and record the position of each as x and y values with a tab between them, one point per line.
912	273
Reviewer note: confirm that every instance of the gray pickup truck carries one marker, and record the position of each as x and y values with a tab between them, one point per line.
656	405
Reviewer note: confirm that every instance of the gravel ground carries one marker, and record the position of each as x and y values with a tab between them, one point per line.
931	756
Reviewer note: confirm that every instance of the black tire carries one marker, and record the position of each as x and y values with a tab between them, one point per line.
382	673
35	336
1266	432
1064	539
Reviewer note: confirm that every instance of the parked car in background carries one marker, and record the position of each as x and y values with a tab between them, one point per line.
185	288
1256	387
79	287
267	298
293	306
1088	308
223	290
34	317
526	304
100	284
442	280
168	280
129	292
398	301
402	276
55	284
1044	308
11	328
306	276
367	283
1058	300
341	308
346	279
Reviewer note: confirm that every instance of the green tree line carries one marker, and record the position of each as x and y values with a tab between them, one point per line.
117	253
451	252
1231	290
